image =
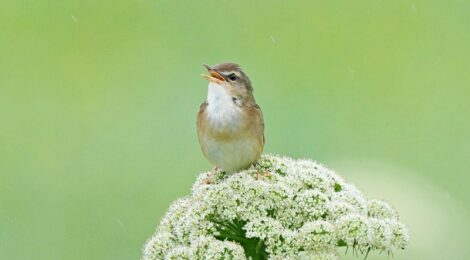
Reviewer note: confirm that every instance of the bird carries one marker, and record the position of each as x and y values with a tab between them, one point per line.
230	124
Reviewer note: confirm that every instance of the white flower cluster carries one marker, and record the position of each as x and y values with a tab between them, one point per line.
279	209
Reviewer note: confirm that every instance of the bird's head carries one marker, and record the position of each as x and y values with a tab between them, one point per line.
230	79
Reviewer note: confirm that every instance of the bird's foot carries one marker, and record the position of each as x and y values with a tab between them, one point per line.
263	174
209	179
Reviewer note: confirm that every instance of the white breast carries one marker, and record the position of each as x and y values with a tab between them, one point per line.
222	112
224	115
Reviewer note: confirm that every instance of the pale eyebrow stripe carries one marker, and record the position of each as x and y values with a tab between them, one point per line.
226	73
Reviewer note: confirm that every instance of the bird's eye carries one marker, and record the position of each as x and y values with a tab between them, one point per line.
232	77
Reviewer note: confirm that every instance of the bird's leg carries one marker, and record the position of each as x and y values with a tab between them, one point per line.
257	171
209	176
265	172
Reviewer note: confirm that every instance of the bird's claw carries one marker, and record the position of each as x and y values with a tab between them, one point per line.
208	179
264	174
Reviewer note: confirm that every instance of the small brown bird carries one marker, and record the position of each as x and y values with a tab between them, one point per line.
230	124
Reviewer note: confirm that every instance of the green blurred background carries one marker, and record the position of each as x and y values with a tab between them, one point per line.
98	102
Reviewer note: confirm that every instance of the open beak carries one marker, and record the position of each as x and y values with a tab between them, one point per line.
213	76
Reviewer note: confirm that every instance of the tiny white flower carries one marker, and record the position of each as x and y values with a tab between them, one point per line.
319	255
338	209
158	246
211	248
353	230
316	235
400	236
381	209
225	250
283	246
174	214
351	195
279	209
380	234
179	253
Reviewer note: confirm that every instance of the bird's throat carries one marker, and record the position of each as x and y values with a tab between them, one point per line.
221	111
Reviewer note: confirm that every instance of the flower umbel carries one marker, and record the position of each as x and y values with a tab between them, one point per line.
279	209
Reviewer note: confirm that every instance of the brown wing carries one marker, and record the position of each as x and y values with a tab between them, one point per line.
201	117
260	119
200	125
203	106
